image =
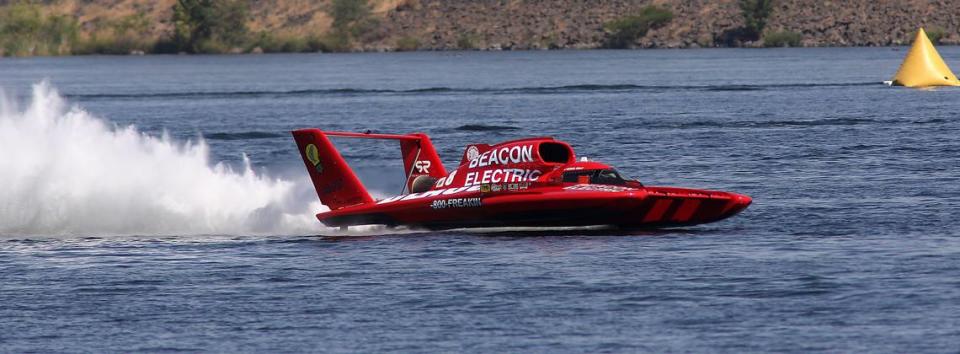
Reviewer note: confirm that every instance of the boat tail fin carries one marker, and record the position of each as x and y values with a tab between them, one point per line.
420	158
336	184
923	66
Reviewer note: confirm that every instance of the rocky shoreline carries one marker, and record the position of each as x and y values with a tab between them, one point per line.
559	24
139	27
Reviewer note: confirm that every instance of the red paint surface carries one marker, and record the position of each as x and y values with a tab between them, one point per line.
508	184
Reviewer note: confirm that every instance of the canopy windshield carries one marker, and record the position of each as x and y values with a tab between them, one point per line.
607	176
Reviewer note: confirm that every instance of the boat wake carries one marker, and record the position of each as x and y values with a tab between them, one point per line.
65	172
531	90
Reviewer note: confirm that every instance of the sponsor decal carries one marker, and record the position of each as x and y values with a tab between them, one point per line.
503	187
501	175
422	166
472	153
598	188
505	155
456	203
313	155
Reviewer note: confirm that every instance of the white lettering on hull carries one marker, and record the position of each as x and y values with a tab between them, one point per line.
433	193
504	155
446	181
456	203
506	175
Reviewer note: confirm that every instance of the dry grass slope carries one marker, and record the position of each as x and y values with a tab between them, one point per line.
542	24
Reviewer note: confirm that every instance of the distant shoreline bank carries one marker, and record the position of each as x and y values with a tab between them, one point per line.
133	27
455	51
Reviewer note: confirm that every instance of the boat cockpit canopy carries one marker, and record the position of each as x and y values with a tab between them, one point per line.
606	176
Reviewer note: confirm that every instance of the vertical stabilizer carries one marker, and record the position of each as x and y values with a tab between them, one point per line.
420	159
336	184
923	66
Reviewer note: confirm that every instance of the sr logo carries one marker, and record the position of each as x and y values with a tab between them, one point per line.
422	166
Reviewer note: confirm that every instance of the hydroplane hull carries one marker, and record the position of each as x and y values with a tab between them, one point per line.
527	182
649	207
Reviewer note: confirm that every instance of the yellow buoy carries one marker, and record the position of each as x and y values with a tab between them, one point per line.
923	66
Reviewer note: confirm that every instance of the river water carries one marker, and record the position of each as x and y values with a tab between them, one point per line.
158	203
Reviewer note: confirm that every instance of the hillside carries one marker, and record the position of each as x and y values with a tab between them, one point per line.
579	24
288	25
287	16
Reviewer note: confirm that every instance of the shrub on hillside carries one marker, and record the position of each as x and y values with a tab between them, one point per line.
467	41
936	34
289	43
407	44
622	32
209	26
335	41
782	39
346	13
25	30
352	20
755	14
121	36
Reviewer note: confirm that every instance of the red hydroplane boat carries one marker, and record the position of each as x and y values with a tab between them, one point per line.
527	182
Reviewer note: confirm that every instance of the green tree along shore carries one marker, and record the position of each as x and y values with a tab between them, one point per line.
48	27
199	26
